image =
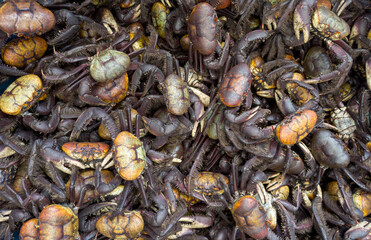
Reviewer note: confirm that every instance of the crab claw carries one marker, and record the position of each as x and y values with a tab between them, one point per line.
266	200
302	18
269	20
196	221
4	215
360	29
276	182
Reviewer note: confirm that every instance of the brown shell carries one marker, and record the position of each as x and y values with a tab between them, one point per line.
124	226
21	51
130	157
249	217
202	28
58	222
25	17
113	91
235	85
296	127
185	42
298	94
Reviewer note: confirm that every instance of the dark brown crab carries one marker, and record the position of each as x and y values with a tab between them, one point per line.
27	18
323	72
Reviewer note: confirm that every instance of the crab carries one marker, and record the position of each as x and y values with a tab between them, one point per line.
325	72
325	23
250	130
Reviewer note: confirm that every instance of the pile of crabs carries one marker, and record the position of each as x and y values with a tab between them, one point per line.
185	119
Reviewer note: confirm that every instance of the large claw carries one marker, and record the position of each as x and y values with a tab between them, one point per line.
302	18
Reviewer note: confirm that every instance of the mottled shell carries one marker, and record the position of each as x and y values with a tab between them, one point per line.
113	91
25	17
176	95
159	15
329	25
202	28
281	192
58	222
296	127
249	217
343	122
21	94
235	85
29	230
127	225
133	30
298	94
86	151
208	183
130	157
108	65
20	52
189	200
362	201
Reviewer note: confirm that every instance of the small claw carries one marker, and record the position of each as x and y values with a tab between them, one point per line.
276	182
302	19
4	215
271	24
197	221
266	93
75	163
